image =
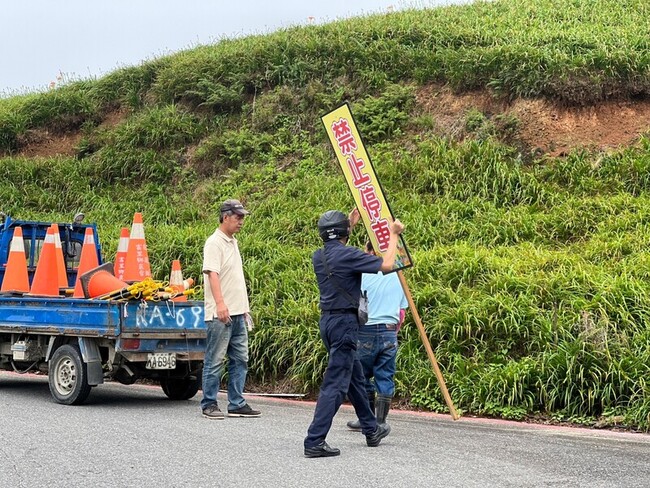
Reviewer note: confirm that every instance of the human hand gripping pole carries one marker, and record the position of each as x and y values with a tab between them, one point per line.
354	216
396	228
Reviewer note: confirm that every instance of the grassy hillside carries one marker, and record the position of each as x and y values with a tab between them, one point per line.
530	271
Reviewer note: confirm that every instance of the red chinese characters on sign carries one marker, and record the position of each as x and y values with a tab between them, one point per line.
344	137
359	178
362	182
381	230
370	202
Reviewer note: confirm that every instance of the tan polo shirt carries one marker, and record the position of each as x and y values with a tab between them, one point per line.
221	255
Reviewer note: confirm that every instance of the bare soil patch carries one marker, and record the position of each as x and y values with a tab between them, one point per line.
544	126
43	143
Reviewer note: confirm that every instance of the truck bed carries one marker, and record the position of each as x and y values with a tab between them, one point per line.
101	318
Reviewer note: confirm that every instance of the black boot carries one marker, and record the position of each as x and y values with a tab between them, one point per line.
355	425
321	450
375	438
383	406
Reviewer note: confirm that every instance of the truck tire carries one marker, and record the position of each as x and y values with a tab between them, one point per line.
180	388
68	376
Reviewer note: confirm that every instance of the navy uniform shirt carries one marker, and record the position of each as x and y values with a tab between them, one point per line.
346	263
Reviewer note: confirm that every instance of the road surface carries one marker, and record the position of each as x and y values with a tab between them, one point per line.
132	436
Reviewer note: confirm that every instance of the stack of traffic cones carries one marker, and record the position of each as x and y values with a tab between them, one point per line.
87	261
16	279
45	282
137	266
177	283
120	257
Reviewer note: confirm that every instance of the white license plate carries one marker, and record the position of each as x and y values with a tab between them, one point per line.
161	360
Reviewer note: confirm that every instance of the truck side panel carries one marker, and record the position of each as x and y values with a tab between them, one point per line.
162	326
172	319
54	316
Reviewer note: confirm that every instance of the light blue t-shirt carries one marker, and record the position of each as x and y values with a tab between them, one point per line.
385	297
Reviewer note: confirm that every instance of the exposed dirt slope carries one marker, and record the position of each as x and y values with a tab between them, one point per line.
43	143
544	127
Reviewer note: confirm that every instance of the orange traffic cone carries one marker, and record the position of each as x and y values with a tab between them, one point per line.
87	261
177	283
101	281
16	279
46	277
120	257
60	261
137	266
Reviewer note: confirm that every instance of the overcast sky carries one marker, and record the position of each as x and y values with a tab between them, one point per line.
41	39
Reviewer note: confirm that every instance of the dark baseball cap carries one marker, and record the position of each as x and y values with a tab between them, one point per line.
234	206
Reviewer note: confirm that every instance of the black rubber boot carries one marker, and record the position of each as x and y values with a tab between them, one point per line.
355	425
383	407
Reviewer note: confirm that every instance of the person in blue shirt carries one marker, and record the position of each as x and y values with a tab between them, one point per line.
338	270
377	343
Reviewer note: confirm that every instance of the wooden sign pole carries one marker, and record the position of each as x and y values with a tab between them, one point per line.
427	346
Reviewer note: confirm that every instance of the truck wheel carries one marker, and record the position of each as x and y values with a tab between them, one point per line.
68	376
180	388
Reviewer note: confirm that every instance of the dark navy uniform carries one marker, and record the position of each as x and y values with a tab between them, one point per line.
339	327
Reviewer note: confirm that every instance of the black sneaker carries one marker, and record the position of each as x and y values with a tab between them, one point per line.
245	411
380	432
213	412
321	450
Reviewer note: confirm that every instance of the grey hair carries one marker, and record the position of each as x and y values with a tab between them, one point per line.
223	214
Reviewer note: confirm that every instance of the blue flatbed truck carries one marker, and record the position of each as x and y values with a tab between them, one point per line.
80	343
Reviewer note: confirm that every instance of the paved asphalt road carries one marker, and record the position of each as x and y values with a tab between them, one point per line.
133	436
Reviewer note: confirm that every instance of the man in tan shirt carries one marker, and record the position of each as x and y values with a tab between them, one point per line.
226	315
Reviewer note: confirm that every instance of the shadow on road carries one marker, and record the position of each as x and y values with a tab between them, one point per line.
109	394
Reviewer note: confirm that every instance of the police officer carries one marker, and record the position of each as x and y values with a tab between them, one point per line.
338	269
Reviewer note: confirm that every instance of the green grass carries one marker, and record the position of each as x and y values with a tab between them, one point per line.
531	275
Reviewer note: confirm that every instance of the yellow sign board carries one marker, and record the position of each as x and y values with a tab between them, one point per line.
363	183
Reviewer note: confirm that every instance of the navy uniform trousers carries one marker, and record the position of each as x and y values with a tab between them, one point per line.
344	375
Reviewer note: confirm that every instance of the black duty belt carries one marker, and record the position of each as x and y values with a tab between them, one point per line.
339	311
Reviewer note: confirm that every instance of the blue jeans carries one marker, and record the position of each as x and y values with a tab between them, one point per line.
377	349
230	339
343	375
